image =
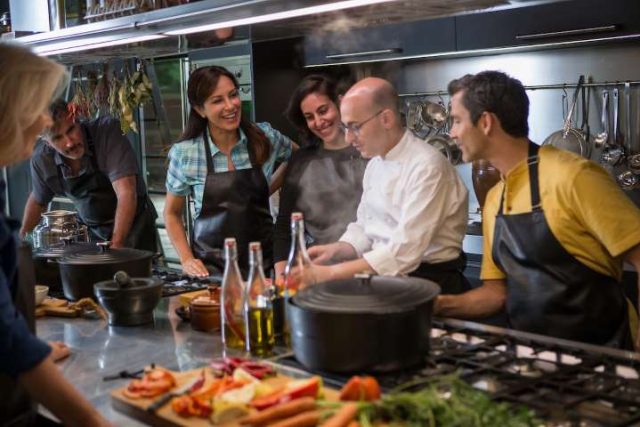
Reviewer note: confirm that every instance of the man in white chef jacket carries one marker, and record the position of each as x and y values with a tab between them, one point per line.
413	212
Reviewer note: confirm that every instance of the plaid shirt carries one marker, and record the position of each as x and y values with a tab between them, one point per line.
187	170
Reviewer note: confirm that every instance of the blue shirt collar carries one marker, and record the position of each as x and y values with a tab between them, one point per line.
242	142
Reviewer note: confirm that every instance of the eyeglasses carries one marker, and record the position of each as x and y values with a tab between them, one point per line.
355	128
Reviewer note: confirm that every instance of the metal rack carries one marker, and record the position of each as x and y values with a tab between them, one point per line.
537	87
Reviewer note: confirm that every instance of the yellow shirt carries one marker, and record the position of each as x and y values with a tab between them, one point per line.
586	211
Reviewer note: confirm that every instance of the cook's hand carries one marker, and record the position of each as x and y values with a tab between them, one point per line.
59	350
194	267
312	274
323	254
116	245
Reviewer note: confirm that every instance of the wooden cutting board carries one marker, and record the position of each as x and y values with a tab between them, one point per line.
166	417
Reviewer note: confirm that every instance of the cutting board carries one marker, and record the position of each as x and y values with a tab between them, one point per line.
166	417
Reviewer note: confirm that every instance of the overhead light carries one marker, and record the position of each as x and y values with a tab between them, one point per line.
323	8
60	48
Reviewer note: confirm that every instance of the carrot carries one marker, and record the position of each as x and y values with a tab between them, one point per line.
284	410
305	419
343	417
353	423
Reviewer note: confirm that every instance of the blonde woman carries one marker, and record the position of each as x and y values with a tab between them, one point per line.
28	83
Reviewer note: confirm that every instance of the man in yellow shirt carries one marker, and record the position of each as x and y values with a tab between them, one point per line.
556	228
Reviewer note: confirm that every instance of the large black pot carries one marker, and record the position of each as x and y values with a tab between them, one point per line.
45	261
377	324
80	270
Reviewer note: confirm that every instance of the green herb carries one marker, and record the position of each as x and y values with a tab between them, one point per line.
447	401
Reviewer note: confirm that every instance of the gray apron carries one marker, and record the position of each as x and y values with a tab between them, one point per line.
93	196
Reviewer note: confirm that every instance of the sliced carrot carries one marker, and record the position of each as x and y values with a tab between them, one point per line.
278	412
305	419
343	417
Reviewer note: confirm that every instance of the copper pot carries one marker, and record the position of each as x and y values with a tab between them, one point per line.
484	177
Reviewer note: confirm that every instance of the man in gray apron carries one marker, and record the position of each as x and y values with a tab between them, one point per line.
556	228
94	165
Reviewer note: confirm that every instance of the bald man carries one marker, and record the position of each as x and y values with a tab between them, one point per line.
413	213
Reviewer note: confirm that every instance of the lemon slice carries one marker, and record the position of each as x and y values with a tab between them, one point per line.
224	411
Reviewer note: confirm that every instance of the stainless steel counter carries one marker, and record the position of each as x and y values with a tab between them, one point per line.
99	350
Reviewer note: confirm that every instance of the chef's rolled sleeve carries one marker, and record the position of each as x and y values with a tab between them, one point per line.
356	237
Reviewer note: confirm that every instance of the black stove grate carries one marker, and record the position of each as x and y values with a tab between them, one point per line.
174	282
564	385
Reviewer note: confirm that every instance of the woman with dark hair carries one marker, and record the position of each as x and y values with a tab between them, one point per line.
224	162
324	179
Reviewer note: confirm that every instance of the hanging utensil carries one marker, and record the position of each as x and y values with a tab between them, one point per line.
570	138
584	127
602	138
626	139
434	115
614	153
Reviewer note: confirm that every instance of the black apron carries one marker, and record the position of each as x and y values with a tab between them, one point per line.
550	292
234	204
16	407
95	200
447	274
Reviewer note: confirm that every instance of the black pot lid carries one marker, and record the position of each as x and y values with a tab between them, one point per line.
377	294
62	249
101	254
136	284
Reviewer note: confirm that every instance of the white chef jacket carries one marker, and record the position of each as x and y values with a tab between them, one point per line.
414	209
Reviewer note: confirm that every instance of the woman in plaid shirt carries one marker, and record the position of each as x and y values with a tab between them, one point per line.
225	163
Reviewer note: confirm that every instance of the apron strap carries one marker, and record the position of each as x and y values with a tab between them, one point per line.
534	185
207	151
92	148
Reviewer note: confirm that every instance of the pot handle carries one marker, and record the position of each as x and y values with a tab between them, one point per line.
365	278
103	246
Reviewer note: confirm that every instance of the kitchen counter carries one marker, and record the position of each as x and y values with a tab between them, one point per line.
99	350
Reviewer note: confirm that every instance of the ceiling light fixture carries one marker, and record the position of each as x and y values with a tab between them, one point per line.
323	8
69	47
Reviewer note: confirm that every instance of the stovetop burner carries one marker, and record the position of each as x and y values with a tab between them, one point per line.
572	385
175	282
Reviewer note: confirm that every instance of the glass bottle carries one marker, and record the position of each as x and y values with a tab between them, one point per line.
292	280
259	306
232	300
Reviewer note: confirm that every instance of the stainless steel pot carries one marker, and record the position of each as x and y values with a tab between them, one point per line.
57	226
369	324
80	270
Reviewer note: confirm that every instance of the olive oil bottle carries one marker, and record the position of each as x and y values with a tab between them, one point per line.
297	276
259	306
232	300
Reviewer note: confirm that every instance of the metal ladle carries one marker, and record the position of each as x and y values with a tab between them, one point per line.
614	153
601	139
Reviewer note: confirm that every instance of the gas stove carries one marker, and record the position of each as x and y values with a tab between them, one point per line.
566	383
175	282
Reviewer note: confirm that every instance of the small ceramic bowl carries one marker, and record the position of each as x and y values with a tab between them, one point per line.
205	314
41	293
